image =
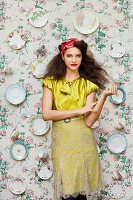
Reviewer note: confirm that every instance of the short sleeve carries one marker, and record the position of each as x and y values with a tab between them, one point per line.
91	87
48	82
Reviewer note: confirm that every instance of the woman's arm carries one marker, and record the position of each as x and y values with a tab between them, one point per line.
49	114
93	116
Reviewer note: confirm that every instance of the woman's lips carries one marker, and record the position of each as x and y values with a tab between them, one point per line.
73	64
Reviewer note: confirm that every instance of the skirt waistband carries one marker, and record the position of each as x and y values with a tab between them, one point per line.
67	120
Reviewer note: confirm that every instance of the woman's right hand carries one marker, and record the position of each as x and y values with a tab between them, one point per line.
87	109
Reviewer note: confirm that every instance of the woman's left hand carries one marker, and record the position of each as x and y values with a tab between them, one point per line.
110	91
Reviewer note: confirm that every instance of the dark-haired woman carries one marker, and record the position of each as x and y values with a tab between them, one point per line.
70	87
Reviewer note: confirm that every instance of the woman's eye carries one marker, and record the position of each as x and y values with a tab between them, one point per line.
79	55
68	55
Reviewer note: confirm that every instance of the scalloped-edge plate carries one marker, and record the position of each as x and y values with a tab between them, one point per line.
116	190
116	49
18	151
38	18
39	67
17	185
16	40
119	97
45	172
89	22
117	143
38	126
15	94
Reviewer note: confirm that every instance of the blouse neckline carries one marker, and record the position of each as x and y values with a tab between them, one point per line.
72	80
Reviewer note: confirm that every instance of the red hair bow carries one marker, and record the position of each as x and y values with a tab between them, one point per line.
68	44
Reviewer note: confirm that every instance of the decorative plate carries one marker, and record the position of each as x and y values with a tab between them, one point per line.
45	172
86	21
116	49
17	185
38	126
119	97
117	142
16	40
38	18
15	94
18	151
116	189
39	68
96	124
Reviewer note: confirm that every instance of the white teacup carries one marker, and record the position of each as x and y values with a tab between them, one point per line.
43	154
15	135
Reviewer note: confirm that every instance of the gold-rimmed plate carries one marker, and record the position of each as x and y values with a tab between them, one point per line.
38	126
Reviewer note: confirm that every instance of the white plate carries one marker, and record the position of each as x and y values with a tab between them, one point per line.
16	40
18	151
116	189
117	142
38	18
116	49
15	94
86	21
38	126
45	172
17	185
39	67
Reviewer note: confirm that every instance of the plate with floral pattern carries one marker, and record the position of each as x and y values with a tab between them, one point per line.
38	126
18	151
39	67
38	18
116	189
45	172
16	40
17	185
86	21
116	49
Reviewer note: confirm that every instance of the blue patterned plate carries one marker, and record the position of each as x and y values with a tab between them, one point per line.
117	142
18	151
119	97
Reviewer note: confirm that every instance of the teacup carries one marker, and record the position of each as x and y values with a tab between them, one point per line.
15	135
43	154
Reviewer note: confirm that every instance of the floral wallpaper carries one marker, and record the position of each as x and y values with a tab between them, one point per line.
116	23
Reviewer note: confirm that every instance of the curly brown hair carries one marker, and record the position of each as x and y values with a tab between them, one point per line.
89	68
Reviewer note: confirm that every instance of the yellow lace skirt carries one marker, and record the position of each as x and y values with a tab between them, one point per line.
75	159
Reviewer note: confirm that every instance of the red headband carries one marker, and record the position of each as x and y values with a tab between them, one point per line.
68	44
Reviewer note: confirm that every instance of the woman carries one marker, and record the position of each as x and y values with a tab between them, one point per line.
70	86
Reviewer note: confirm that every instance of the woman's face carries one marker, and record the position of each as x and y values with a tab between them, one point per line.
72	58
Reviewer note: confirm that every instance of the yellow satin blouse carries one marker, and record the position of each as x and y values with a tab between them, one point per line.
69	95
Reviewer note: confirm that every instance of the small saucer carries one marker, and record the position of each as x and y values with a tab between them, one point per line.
116	49
17	185
38	18
39	67
16	40
45	172
18	151
38	126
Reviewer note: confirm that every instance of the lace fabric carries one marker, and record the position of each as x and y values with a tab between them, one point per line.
77	168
